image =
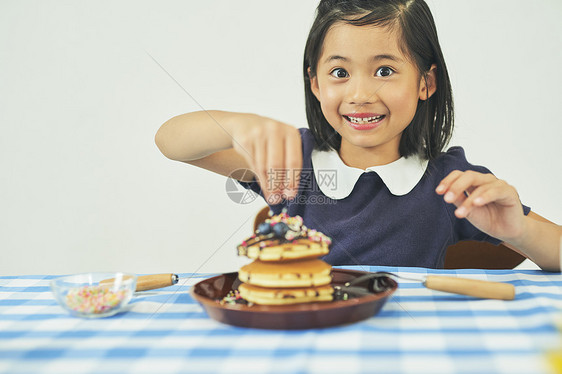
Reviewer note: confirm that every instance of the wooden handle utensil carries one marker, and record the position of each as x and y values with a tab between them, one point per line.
471	287
463	286
151	282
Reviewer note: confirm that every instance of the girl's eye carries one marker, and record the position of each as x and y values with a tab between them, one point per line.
385	71
339	73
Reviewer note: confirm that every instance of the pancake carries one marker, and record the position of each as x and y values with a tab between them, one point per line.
284	296
276	251
284	238
301	273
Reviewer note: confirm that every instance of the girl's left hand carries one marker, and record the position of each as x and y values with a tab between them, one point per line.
490	204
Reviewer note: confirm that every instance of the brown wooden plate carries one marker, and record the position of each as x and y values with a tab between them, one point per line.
210	291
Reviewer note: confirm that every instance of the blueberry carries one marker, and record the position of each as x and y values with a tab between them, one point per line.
280	229
264	228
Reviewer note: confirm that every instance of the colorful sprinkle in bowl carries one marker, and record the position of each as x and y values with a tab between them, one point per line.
94	295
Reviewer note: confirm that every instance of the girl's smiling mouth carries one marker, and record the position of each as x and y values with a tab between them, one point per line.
364	121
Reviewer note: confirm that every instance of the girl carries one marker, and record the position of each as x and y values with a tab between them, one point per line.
370	172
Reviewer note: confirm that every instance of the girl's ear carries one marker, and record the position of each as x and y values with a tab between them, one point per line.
428	83
314	85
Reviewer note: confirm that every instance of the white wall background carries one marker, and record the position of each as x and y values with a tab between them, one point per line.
83	186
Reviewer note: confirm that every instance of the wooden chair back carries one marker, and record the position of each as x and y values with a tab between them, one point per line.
472	254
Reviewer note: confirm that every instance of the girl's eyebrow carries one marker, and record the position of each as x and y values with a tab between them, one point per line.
374	58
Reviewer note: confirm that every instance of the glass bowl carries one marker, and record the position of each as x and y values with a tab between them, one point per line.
94	295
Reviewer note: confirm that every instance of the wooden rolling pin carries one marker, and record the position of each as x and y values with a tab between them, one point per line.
151	282
471	287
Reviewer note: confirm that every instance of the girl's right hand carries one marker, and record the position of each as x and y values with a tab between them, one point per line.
273	152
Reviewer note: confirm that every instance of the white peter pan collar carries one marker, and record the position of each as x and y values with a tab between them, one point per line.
400	176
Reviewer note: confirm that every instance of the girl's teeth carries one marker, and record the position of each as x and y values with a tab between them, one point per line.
364	120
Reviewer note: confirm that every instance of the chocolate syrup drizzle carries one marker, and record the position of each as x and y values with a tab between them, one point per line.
294	232
272	238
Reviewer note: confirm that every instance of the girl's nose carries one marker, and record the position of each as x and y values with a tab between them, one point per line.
360	92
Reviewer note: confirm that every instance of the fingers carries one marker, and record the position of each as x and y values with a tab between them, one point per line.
276	173
470	189
259	161
482	195
274	153
293	159
490	204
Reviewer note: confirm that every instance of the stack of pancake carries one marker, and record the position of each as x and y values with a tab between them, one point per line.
286	268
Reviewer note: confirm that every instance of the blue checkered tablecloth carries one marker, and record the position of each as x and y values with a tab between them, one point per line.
166	331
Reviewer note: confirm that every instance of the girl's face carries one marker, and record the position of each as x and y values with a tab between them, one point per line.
368	91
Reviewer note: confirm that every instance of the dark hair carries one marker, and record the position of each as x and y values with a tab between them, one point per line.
432	125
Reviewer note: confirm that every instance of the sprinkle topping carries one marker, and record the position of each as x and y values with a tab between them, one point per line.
233	297
282	227
94	299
